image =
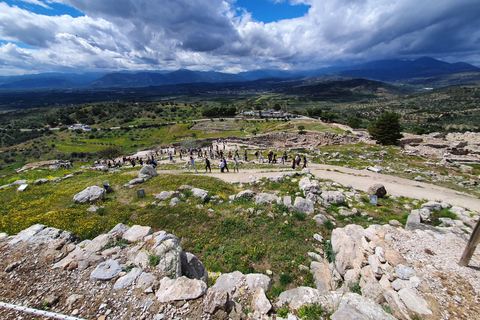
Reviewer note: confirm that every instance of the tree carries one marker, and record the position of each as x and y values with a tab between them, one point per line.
110	152
386	129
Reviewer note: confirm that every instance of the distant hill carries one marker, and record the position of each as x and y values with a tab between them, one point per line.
398	70
145	79
422	71
343	90
49	80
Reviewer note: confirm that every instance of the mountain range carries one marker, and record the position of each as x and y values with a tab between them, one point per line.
384	70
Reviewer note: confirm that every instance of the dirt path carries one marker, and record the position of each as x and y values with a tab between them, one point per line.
361	180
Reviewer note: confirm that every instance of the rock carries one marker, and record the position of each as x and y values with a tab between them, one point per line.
395	223
180	289
404	272
287	201
11	266
98	243
40	181
305	171
335	197
90	194
19	182
413	301
200	193
184	187
192	267
369	285
278	178
136	233
136	181
119	230
260	302
164	195
214	300
233	282
413	220
147	172
354	306
127	279
3	235
174	202
320	219
265	198
345	212
394	258
247	194
72	299
432	206
377	190
318	237
26	234
322	276
348	249
106	271
48	235
303	205
145	280
298	297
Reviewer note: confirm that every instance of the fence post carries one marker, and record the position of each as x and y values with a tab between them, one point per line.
471	245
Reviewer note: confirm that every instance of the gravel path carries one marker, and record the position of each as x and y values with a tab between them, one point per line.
361	180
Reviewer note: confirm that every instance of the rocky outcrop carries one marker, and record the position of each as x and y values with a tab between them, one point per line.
89	195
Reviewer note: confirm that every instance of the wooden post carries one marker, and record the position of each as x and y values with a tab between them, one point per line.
471	245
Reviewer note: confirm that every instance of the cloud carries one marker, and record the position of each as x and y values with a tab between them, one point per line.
216	35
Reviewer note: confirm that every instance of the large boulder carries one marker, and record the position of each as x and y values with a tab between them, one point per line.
200	193
304	206
377	190
128	279
246	194
335	197
164	195
192	267
136	233
89	195
354	306
216	299
106	271
180	289
348	249
148	172
263	198
322	276
235	283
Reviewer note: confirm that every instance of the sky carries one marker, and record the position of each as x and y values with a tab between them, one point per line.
38	36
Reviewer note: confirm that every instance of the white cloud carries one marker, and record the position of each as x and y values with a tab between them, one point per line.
213	34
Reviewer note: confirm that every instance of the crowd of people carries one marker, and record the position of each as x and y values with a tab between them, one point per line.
216	152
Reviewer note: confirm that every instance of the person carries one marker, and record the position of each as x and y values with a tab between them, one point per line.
293	163
256	154
235	165
260	158
222	166
298	160
304	162
207	165
192	164
282	161
171	157
225	164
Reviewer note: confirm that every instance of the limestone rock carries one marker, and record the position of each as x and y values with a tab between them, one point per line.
214	300
200	193
106	270
394	258
148	172
304	206
136	233
263	198
377	190
127	279
432	206
335	197
413	301
136	181
298	297
174	202
26	234
320	219
145	280
260	302
90	194
248	194
404	272
354	306
180	289
347	246
322	275
164	195
119	230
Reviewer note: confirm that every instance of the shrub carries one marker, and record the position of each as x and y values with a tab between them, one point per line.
311	312
153	259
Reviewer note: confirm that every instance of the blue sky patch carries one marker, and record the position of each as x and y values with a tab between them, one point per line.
269	11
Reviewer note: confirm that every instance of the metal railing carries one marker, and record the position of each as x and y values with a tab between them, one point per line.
36	312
